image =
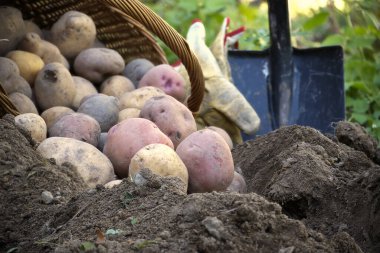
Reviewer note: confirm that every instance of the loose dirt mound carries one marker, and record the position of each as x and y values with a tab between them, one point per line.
327	185
159	216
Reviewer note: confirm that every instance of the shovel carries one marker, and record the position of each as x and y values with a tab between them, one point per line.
288	86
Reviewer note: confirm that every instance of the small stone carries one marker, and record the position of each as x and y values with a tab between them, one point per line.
47	197
214	226
165	234
286	250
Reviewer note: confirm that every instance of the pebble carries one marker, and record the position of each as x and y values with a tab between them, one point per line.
214	226
47	197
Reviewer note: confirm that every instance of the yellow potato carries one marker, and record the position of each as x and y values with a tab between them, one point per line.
34	124
48	52
91	164
29	64
116	86
12	28
73	32
22	103
161	160
54	86
11	80
138	97
54	113
128	113
84	88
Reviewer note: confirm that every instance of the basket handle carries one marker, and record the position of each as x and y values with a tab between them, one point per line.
173	40
6	104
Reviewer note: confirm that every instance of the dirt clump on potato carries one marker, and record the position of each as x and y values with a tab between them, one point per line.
159	216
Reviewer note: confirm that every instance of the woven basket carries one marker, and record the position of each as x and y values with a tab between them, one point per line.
124	25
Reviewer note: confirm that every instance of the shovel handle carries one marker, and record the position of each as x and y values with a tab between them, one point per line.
280	61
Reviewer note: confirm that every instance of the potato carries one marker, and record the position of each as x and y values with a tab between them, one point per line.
48	52
113	183
11	80
208	160
84	88
22	103
54	113
12	28
116	86
102	140
54	86
103	108
128	113
161	160
167	79
73	32
171	116
238	184
128	137
31	27
96	64
34	124
91	164
78	126
222	133
137	98
136	69
29	64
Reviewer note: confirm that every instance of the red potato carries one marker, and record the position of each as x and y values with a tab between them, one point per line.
78	126
172	117
224	134
166	78
128	137
103	108
238	184
208	160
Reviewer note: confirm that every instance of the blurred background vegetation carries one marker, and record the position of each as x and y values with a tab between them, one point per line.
353	24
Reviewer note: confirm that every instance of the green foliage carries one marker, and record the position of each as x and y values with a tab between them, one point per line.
356	28
87	246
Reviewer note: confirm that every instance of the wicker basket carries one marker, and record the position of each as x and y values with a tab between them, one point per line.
121	25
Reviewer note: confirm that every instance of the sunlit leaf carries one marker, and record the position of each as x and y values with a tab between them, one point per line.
315	21
334	39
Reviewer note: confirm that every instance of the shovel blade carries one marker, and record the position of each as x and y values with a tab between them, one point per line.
317	98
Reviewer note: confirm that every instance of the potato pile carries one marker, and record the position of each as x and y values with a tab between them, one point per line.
84	105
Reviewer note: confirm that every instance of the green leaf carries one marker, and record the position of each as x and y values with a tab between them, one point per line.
112	231
134	221
318	20
334	39
359	117
87	246
360	106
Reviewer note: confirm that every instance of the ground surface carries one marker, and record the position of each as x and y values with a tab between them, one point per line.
307	193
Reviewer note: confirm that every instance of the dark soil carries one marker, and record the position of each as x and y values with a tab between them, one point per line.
307	193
